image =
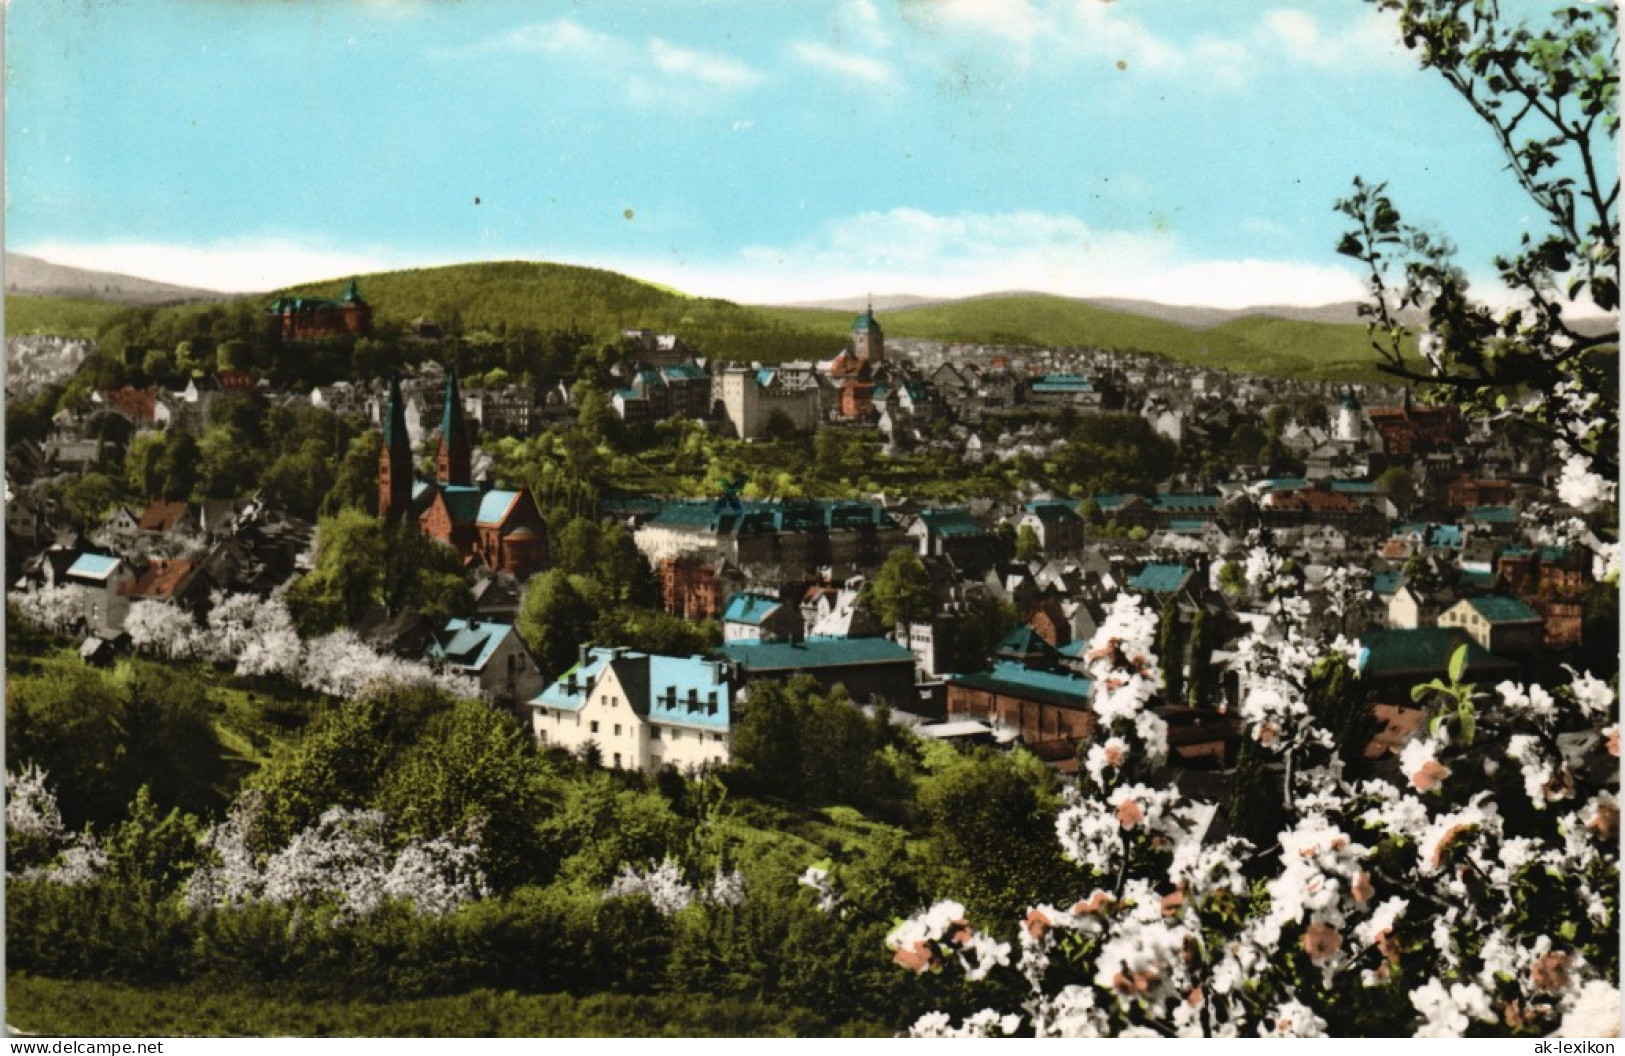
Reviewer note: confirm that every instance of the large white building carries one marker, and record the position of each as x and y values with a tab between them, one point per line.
642	712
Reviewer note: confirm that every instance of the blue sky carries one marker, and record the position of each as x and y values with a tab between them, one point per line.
1188	151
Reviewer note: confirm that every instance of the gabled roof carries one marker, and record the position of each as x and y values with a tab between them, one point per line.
1386	583
1498	608
1424	652
468	644
1160	578
160	579
1024	643
161	515
495	505
671	690
462	502
750	609
950	521
1053	510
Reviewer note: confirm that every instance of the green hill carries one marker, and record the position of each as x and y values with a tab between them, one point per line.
547	297
1254	344
508	295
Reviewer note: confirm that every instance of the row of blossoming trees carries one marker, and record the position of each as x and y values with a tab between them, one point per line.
1477	892
1479	895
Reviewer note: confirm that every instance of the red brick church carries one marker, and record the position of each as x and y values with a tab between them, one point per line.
499	529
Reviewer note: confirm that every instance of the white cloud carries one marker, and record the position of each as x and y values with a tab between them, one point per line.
844	63
654	71
234	266
1224	61
706	68
1369	40
1016	21
914	251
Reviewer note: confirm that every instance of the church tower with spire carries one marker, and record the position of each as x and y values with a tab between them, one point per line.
453	462
868	342
395	459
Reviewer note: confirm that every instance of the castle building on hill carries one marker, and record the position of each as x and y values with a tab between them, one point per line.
313	318
497	528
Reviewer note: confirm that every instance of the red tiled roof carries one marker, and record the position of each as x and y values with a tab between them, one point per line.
139	405
160	579
162	515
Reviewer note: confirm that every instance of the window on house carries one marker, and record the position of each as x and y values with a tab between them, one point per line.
617	760
595	726
617	729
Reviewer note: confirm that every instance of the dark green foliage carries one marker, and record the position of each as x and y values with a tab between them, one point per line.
102	736
473	770
1171	650
49	1007
795	741
554	619
363	561
1112	453
343	759
992	823
899	591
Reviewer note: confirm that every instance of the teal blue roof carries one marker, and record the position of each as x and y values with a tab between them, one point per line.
462	501
676	681
1160	578
750	609
1073	650
865	321
764	377
1186	501
1424	652
756	516
1112	500
1355	487
1493	515
1386	582
418	488
1023	641
1445	536
1013	679
559	694
1188	526
1063	383
757	657
879	393
494	506
1497	608
950	521
1475	579
468	645
1053	510
1288	483
93	566
684	372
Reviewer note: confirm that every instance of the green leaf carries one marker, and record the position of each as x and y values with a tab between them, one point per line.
1458	663
1464	713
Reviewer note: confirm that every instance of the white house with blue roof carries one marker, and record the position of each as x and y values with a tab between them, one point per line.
752	617
641	711
99	579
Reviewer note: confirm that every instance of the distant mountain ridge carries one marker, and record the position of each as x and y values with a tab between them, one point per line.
33	277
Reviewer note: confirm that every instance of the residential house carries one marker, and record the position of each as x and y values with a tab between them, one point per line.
490	652
1500	624
639	711
1050	709
873	670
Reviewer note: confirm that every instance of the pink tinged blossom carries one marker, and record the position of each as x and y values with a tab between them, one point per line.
1321	941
